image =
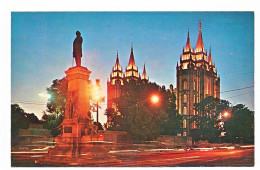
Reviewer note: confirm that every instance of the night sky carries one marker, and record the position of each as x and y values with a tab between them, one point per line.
41	49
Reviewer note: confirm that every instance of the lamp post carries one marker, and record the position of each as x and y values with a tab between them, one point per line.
97	97
223	116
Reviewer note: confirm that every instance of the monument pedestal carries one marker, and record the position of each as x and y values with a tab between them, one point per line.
77	114
77	126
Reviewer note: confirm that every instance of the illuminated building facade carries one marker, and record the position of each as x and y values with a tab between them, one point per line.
196	79
118	78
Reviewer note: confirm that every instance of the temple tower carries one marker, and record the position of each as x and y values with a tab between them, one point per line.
196	79
118	78
131	71
115	84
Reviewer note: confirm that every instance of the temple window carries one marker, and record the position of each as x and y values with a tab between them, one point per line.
185	85
184	98
184	110
184	123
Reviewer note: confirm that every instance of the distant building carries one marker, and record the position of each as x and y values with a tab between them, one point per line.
196	79
118	78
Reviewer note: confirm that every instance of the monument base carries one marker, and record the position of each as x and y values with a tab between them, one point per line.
74	146
77	153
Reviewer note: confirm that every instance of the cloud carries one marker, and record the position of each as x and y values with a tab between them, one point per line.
44	95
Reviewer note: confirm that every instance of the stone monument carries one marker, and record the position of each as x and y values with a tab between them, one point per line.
78	145
77	126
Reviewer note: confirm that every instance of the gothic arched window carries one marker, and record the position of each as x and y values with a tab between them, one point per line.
185	85
184	98
184	110
184	123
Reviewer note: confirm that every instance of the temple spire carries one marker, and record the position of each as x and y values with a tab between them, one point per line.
210	57
117	59
117	72
188	45
200	46
117	64
131	63
131	69
144	75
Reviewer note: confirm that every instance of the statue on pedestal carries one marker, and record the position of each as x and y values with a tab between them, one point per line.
77	48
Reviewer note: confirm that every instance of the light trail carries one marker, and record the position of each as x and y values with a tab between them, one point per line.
247	146
120	151
227	147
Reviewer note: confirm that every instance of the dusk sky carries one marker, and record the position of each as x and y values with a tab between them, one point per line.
41	49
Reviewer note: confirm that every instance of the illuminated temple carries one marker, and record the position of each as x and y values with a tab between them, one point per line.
118	78
196	79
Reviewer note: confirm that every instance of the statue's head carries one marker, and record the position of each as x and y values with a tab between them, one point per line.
78	33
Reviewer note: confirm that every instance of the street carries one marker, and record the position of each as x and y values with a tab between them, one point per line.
146	158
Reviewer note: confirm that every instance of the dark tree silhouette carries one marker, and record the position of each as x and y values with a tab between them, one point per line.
140	117
239	125
56	106
20	120
58	91
207	121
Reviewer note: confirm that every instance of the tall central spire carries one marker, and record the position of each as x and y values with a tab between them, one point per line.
200	46
131	69
188	45
131	63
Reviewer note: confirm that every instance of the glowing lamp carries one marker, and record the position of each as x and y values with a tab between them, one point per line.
155	99
226	114
96	93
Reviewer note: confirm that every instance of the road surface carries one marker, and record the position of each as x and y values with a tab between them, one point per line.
145	158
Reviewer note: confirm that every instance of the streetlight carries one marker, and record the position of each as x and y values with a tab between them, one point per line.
226	114
96	95
154	99
223	116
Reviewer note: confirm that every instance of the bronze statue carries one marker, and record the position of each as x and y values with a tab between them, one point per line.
77	48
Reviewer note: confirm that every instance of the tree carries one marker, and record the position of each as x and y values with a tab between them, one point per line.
207	121
32	118
56	106
113	119
239	125
173	123
58	91
207	128
140	117
52	123
20	120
